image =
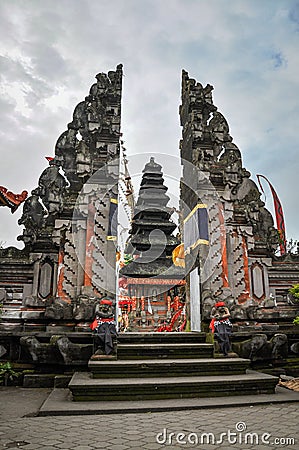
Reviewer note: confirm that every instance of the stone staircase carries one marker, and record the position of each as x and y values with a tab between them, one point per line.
155	366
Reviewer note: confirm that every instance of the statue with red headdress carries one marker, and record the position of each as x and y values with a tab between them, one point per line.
104	327
221	326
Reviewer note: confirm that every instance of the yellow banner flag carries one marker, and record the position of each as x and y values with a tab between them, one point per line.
178	256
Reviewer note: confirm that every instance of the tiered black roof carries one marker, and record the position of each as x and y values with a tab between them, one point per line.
151	233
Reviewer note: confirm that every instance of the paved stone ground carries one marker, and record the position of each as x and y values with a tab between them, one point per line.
277	424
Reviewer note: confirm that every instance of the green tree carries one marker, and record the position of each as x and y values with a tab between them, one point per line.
294	291
7	373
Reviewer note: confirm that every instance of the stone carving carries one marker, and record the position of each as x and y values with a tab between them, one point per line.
13	252
106	83
243	192
84	309
247	196
66	155
52	188
254	312
207	303
83	160
221	326
69	283
33	217
258	348
71	352
33	302
238	313
80	118
105	328
94	115
248	206
59	350
279	344
219	131
57	309
295	348
247	190
231	162
218	125
269	302
104	309
33	211
42	353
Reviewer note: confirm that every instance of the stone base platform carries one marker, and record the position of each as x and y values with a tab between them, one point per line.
86	388
59	403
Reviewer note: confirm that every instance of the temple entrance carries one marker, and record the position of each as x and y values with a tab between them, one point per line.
151	306
151	285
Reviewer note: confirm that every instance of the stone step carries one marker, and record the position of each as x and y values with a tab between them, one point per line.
164	337
59	403
167	368
167	350
85	388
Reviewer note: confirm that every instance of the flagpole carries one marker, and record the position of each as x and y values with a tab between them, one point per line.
280	224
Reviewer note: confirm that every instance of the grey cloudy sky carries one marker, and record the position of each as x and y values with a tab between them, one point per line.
248	50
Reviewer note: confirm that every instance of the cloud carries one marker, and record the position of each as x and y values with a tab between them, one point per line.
278	60
294	14
248	49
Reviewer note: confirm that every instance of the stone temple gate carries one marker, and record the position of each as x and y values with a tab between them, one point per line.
70	229
239	265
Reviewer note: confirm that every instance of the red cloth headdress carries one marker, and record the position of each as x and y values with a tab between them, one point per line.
106	302
218	304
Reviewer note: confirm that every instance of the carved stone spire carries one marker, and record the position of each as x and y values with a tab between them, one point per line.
90	141
240	225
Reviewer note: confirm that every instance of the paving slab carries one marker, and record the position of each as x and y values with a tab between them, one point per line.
17	401
59	403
